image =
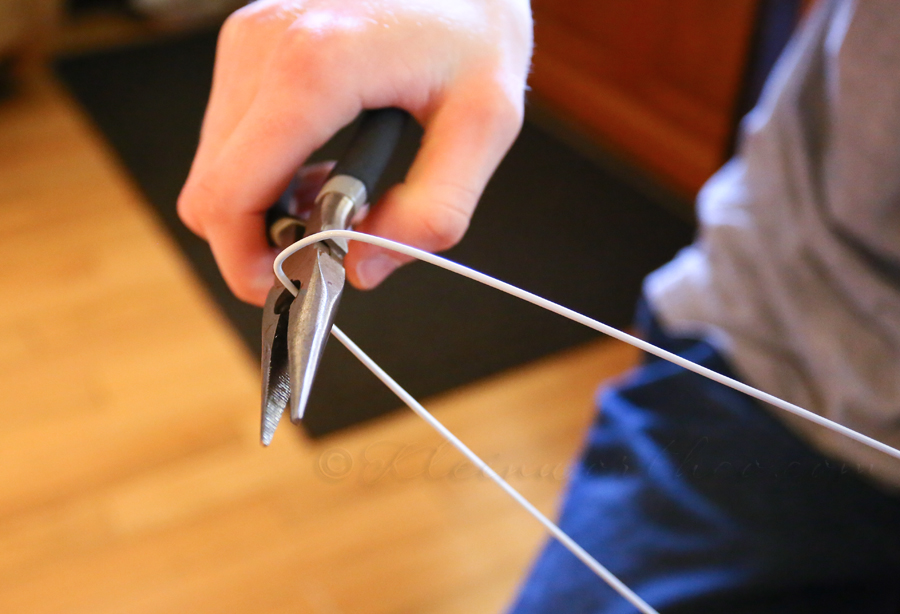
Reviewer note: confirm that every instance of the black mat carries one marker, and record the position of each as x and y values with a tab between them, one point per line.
550	221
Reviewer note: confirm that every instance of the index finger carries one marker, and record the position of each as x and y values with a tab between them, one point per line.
234	190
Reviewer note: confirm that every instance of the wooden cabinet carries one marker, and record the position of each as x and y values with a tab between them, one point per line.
656	80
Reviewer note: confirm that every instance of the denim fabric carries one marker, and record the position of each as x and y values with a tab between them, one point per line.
701	501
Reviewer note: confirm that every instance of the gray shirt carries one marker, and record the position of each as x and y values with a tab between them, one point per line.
796	271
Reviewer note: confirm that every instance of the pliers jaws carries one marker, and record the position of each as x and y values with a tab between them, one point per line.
296	329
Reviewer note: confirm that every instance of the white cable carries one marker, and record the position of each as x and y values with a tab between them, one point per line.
554	530
581	319
570	544
454	267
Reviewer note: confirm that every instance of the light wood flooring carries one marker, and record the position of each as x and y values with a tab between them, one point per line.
131	479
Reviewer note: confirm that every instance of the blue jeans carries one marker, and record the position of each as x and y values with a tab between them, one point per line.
701	501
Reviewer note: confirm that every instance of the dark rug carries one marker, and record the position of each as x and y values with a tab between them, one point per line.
551	221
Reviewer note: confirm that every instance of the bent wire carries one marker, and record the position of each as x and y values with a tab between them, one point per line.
459	269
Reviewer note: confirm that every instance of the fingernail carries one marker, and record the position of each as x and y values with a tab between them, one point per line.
262	283
372	271
262	276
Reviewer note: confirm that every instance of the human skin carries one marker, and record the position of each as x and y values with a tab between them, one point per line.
291	73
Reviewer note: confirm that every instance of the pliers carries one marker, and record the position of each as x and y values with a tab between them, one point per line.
295	330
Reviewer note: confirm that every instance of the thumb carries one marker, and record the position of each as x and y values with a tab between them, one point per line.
464	141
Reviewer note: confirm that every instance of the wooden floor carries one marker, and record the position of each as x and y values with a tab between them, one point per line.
132	480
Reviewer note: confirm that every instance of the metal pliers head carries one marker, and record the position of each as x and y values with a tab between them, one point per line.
296	329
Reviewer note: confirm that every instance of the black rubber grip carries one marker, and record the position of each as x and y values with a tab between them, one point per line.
372	146
282	206
281	209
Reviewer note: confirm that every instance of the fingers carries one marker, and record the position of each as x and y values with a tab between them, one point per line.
463	144
241	50
231	193
243	47
310	180
464	141
290	73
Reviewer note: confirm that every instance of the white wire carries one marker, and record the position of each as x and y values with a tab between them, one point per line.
454	267
581	319
570	544
554	530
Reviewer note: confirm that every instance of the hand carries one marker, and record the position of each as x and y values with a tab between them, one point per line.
290	73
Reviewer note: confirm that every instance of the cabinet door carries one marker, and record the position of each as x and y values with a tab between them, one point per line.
656	80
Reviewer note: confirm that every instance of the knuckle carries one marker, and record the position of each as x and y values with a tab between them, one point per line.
197	203
494	111
238	24
230	28
251	13
185	209
293	60
447	218
242	291
257	18
237	273
312	52
503	112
